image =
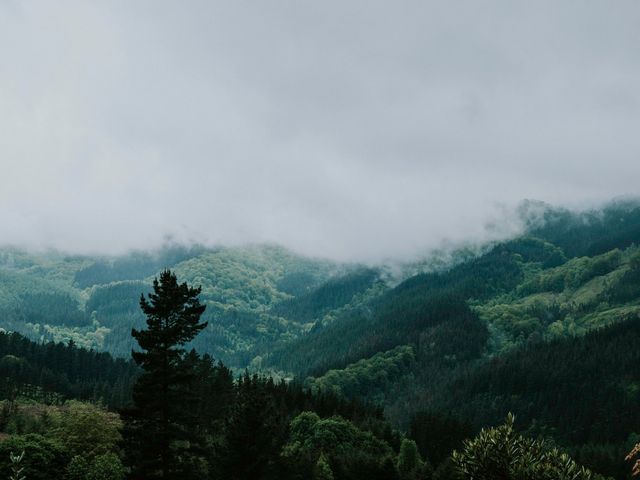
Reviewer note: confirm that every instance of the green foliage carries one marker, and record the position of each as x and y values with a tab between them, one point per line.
93	300
397	317
322	470
299	282
102	467
106	467
254	430
240	288
501	453
331	295
115	300
410	465
28	302
536	250
51	372
237	429
79	440
16	466
44	458
628	284
78	468
506	328
603	458
352	453
437	435
587	233
525	292
368	377
446	471
86	430
133	266
159	432
583	294
578	391
572	274
244	280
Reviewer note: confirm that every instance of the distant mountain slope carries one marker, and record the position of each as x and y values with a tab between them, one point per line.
402	313
472	339
49	372
583	392
504	331
95	300
586	388
587	233
544	324
331	295
268	307
134	266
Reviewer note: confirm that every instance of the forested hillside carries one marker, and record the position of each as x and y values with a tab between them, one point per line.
255	427
182	415
256	296
53	372
544	325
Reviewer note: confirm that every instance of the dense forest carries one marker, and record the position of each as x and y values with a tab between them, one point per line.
325	370
94	301
190	418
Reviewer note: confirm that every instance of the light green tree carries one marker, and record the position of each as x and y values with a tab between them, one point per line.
410	465
503	453
86	429
322	470
409	461
103	467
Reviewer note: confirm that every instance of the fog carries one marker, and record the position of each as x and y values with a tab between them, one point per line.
355	130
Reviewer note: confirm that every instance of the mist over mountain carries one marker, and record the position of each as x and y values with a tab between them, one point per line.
331	240
431	344
349	131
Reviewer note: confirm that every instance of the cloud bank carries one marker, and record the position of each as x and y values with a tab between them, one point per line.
349	129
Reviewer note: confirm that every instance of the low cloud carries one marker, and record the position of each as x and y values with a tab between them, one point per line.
353	130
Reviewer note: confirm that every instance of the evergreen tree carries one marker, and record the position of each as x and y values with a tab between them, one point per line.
252	431
409	461
159	433
322	470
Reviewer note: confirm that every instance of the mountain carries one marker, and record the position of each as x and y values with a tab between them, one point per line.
542	325
256	296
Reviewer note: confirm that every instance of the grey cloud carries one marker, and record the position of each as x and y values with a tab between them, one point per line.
349	129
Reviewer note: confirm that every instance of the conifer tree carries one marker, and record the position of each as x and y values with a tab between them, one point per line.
322	470
409	461
252	431
159	431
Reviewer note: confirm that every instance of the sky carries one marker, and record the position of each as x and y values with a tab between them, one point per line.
347	129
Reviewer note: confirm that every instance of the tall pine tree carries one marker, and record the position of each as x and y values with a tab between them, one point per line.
159	432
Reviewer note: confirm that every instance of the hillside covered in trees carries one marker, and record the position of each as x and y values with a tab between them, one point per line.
189	418
543	326
249	294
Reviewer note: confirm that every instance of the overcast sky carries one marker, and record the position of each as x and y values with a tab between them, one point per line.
349	129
